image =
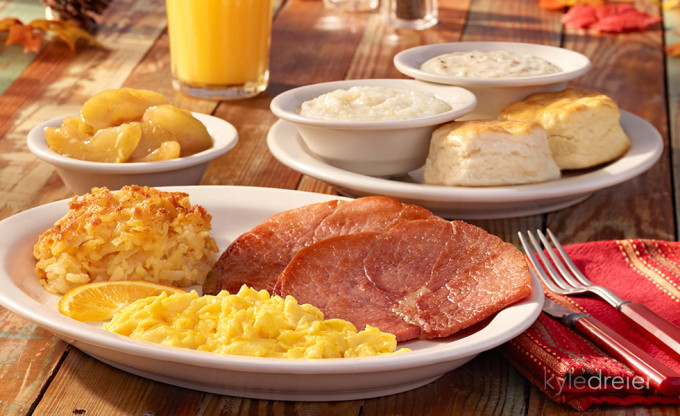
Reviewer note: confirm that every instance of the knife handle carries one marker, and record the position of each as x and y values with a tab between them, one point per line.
663	333
662	378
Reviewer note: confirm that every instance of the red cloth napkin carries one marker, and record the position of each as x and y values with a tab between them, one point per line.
568	367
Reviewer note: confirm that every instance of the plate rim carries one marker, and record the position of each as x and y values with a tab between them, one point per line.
285	104
223	134
651	146
404	61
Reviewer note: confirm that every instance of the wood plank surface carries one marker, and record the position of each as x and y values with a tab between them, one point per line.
620	59
52	87
13	59
58	85
672	36
43	375
30	355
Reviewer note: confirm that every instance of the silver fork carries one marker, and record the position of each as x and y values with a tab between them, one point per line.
570	281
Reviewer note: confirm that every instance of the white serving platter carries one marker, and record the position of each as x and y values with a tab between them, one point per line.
458	202
236	210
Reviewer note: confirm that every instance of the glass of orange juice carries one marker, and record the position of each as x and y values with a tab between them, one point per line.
219	49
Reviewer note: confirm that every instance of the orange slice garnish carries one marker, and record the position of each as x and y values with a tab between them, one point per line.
99	301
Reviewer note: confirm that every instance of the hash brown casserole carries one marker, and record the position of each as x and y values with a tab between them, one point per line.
137	233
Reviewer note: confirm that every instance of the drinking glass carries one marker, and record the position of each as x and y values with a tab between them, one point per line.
219	49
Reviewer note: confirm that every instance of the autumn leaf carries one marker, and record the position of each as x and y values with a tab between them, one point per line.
673	49
561	4
552	4
32	35
615	18
579	17
670	4
7	23
20	34
66	31
594	3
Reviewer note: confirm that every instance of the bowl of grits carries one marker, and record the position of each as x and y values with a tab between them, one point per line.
497	73
375	127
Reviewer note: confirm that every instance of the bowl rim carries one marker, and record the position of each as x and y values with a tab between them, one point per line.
409	60
222	143
285	105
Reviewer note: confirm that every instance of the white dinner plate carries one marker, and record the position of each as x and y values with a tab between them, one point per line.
477	202
234	211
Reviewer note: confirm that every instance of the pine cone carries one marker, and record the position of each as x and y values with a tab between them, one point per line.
84	13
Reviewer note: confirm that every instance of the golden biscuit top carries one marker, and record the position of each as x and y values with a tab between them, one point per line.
566	101
477	127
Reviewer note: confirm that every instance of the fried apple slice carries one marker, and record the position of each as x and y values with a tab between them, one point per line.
191	134
78	124
153	136
111	108
66	140
111	145
166	151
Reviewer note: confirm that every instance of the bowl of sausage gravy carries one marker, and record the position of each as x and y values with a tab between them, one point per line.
498	73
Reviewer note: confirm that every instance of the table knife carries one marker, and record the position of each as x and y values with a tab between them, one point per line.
659	376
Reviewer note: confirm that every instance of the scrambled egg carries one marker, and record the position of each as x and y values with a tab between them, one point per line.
249	323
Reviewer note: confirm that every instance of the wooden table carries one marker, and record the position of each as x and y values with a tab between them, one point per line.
41	375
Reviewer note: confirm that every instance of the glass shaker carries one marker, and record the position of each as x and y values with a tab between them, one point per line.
409	14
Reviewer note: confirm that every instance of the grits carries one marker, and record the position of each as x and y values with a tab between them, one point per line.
251	323
364	103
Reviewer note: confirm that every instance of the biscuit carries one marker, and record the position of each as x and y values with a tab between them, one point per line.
489	153
583	127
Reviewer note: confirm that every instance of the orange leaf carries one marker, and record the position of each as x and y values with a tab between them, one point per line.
670	4
561	4
673	49
594	3
552	4
20	34
7	23
66	31
32	35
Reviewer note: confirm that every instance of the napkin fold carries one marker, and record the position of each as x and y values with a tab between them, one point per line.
571	369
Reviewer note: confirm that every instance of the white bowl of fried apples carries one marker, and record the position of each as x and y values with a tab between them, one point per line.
127	136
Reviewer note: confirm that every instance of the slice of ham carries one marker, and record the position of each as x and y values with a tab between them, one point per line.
417	279
375	261
330	275
257	258
476	275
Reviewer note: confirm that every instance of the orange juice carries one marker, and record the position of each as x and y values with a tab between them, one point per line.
220	46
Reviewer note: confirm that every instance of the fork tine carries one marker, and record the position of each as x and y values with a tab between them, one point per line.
555	276
565	258
565	279
540	270
583	282
567	283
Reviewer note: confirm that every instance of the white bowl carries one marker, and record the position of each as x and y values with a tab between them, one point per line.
494	94
375	148
81	176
